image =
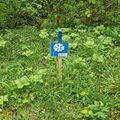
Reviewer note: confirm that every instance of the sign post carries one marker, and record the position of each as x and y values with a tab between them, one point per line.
59	57
59	49
60	68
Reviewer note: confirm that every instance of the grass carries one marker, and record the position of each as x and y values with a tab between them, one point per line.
29	86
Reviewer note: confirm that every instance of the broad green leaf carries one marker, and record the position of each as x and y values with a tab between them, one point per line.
44	34
92	1
90	112
25	80
80	61
5	98
73	45
1	101
84	93
22	82
42	71
36	78
85	112
19	84
89	44
0	110
2	42
66	38
74	35
28	53
25	101
98	58
48	57
100	115
88	13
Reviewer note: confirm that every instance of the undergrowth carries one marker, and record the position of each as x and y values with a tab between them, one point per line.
29	85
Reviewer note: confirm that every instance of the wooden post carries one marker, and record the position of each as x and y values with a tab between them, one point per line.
60	68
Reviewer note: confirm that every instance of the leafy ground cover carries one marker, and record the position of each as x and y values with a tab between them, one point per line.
29	85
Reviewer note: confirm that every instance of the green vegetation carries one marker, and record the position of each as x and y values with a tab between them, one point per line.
29	85
16	13
29	82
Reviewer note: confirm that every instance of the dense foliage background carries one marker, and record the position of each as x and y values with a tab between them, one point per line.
29	85
15	13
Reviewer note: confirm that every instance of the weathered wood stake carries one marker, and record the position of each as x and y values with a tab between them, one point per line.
60	68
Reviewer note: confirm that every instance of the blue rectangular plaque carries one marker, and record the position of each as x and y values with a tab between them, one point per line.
59	49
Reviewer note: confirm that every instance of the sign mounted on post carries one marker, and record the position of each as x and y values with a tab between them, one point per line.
59	49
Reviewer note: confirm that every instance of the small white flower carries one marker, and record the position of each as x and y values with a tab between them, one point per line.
58	47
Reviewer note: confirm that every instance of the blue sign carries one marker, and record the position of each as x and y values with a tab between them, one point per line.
60	35
59	49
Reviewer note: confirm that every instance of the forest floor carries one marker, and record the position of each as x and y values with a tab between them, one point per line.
29	85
